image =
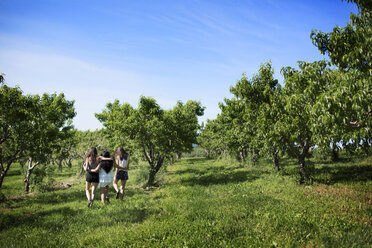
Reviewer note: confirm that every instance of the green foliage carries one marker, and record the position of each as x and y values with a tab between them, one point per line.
344	111
151	131
236	128
350	47
32	126
42	178
88	139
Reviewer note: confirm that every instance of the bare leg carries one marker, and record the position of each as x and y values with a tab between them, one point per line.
103	195
115	183
87	188
122	188
87	193
107	194
94	186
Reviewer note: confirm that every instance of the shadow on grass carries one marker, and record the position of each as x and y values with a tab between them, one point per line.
216	175
195	160
342	174
36	219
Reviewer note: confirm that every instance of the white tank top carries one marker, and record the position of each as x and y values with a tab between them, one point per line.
123	163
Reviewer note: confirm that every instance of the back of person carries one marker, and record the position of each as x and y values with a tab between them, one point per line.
124	163
106	165
105	172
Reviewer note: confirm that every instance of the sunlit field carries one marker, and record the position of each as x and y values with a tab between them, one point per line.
198	203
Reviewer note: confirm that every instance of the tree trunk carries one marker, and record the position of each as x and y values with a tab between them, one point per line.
255	156
335	156
154	170
206	153
59	162
5	171
303	174
27	181
151	179
30	168
81	169
3	174
276	158
366	145
242	157
69	163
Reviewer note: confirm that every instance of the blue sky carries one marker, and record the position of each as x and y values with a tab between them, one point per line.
99	51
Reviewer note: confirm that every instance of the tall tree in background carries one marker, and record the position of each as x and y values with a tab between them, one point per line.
152	131
183	121
301	91
15	122
212	137
256	96
345	110
52	126
234	134
31	127
86	140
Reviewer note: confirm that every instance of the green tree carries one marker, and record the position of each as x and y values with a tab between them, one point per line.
344	111
51	122
233	130
15	124
256	95
183	122
31	127
211	138
88	139
301	92
152	131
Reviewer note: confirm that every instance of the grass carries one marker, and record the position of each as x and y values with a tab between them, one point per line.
199	203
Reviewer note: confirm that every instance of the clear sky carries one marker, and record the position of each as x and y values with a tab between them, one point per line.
98	51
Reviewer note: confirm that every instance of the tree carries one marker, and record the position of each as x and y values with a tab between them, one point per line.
212	137
51	122
15	122
152	131
233	127
255	95
183	121
301	92
31	127
344	111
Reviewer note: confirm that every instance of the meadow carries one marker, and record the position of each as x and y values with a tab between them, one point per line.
198	203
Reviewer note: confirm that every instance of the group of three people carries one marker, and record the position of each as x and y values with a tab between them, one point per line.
100	173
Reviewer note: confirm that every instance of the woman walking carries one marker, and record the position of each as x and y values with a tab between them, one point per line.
121	173
105	176
91	162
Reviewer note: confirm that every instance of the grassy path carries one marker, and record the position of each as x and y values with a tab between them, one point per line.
200	203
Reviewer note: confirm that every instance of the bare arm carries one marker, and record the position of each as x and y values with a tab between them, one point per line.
116	164
85	165
103	158
96	169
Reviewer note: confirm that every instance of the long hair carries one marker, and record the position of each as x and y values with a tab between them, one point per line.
92	153
106	164
121	153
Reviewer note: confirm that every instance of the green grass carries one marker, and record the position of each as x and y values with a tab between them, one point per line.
199	203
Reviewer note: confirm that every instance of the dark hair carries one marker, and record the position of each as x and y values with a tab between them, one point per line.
106	164
121	153
92	153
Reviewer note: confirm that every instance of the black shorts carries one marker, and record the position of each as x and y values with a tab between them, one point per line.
92	177
122	175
